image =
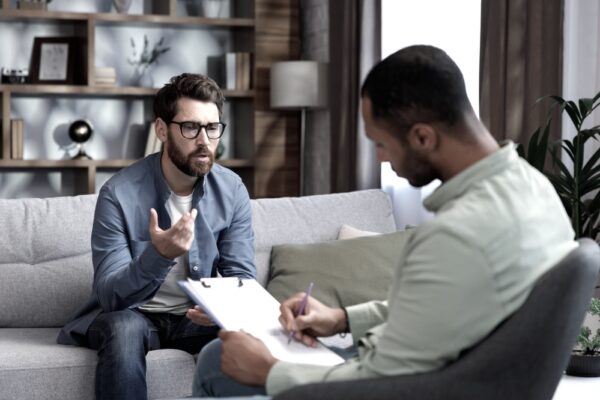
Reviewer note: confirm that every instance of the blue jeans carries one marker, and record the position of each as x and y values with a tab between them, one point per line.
122	339
209	381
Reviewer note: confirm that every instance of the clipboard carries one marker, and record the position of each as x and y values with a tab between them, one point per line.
243	304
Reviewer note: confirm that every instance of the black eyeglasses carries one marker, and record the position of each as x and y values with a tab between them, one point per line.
191	129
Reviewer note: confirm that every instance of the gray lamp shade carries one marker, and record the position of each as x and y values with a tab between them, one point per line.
298	84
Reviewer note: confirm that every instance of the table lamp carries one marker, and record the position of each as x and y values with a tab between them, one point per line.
299	85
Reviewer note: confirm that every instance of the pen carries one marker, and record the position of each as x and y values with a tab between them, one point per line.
301	309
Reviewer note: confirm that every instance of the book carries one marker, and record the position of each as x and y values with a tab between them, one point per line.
151	141
243	304
16	139
105	72
232	71
105	81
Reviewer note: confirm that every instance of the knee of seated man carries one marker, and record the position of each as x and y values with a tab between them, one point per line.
210	356
208	367
122	326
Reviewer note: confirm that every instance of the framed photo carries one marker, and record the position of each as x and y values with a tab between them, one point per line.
57	60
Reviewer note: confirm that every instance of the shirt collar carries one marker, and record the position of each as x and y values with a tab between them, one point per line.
163	189
456	186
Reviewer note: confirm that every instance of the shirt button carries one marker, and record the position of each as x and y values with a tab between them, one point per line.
195	268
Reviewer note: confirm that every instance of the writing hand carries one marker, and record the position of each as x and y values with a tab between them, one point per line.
199	317
245	358
176	240
318	319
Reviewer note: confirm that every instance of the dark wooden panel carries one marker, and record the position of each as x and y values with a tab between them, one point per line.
276	133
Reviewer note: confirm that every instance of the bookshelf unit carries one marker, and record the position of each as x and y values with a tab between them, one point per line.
264	147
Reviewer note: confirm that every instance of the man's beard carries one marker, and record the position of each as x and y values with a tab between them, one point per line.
419	172
186	164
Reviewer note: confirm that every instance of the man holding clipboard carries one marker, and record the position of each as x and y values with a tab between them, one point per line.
499	226
172	215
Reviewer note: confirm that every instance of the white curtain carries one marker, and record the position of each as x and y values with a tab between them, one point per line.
581	55
402	24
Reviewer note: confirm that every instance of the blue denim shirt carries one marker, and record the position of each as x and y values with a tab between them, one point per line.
128	270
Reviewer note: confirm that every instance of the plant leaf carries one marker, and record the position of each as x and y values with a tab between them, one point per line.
585	106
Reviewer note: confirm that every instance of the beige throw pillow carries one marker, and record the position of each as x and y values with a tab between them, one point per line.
344	272
350	232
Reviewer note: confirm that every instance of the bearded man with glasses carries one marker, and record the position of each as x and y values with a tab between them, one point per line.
173	215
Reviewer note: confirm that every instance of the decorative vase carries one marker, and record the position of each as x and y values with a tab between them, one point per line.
142	77
122	6
584	365
211	8
147	80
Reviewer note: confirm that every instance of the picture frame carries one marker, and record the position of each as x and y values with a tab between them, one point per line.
57	60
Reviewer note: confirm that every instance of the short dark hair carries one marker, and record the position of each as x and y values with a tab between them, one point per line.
416	84
193	86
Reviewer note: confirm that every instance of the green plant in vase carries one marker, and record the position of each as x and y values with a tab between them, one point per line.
577	183
577	186
146	58
589	343
585	359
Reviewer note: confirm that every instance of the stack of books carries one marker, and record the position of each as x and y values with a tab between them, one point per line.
33	4
153	144
233	71
237	70
105	76
16	139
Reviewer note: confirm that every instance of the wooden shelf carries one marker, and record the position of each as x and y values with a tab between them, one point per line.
175	20
236	163
108	164
63	164
267	139
20	15
124	91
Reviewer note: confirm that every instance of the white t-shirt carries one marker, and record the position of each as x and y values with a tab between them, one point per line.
170	298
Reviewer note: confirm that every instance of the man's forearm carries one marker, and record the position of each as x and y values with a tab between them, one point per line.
119	285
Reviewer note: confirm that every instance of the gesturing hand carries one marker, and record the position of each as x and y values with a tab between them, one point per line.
318	319
176	240
245	358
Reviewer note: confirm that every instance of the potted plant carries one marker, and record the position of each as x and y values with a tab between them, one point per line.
577	186
585	359
145	60
577	183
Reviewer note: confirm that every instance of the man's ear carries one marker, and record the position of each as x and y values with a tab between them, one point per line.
422	137
161	129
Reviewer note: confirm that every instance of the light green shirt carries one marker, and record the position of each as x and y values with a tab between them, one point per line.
499	226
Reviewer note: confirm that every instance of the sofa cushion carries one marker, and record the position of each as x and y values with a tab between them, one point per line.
344	272
46	265
314	219
350	232
33	365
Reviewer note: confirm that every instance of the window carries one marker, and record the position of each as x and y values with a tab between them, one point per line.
453	26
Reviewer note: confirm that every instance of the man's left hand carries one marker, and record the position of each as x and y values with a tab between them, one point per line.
245	358
199	317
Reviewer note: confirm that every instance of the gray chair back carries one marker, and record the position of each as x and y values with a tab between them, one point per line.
523	358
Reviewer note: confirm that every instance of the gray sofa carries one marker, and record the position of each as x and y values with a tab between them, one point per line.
46	274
